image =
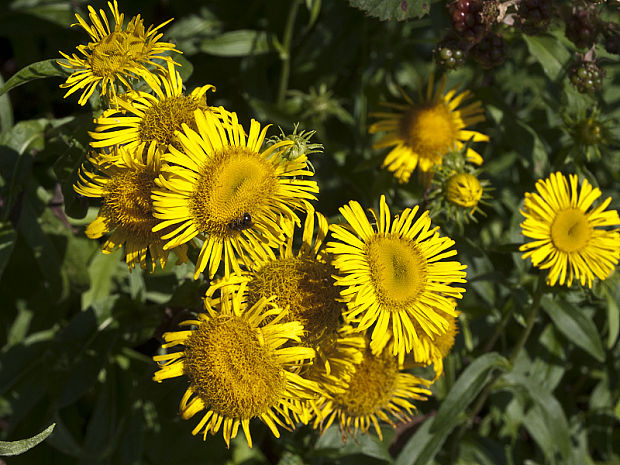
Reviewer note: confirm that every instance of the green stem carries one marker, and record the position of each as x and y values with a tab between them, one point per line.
285	54
499	329
530	320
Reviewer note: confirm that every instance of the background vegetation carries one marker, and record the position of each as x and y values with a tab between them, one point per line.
78	330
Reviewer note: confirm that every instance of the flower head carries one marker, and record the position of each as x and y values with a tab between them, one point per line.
112	56
393	273
423	132
299	281
464	190
219	185
377	388
241	364
124	182
568	239
144	119
435	349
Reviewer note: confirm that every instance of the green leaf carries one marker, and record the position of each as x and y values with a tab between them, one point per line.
237	43
314	8
102	271
393	9
186	68
6	111
58	13
38	70
575	326
613	318
467	387
46	254
369	445
7	242
554	431
427	440
550	53
19	447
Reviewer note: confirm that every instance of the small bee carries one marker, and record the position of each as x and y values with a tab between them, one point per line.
241	223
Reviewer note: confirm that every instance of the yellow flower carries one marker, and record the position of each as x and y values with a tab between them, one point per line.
423	132
220	186
394	273
376	388
124	182
143	119
241	365
301	282
567	237
435	349
112	56
464	190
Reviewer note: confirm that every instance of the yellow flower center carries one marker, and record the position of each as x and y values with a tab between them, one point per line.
570	230
429	130
306	286
397	269
127	201
230	370
464	189
160	121
371	386
231	184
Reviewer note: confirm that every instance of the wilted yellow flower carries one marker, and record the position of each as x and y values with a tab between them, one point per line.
112	56
124	181
376	390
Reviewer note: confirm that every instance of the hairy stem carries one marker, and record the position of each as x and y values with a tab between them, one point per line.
285	54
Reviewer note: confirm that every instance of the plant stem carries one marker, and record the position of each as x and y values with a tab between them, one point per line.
285	55
530	319
500	327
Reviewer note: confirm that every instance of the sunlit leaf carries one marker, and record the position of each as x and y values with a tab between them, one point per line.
427	440
19	447
393	9
39	70
237	43
550	53
578	328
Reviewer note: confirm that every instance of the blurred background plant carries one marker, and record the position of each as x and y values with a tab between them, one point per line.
79	329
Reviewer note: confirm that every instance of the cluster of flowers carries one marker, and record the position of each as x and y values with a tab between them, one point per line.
297	328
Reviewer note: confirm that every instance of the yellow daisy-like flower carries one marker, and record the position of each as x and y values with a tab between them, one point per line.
334	364
124	182
299	281
240	366
567	237
423	132
221	186
143	119
394	273
376	388
435	349
112	56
